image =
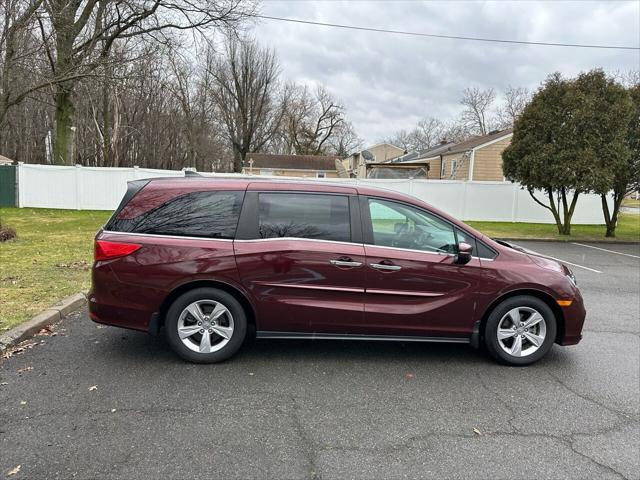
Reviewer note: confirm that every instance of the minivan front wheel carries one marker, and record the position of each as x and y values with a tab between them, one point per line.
520	330
205	325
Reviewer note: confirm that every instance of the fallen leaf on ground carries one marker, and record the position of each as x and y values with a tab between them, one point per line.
476	431
2	384
113	410
22	402
408	376
45	332
93	387
14	470
251	373
25	369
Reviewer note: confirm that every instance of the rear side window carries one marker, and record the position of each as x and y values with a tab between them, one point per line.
196	214
317	216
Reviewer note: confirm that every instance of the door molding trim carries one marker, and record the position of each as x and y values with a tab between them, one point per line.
311	287
406	293
265	334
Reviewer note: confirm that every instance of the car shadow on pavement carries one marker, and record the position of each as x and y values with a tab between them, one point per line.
137	346
131	346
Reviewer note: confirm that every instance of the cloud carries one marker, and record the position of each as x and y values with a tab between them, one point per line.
389	82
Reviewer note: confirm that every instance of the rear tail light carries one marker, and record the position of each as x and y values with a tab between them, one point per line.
107	250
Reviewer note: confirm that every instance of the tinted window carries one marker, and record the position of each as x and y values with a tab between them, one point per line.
401	226
197	214
485	251
479	249
323	217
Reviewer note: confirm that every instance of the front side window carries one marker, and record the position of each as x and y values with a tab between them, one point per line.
401	226
197	214
304	215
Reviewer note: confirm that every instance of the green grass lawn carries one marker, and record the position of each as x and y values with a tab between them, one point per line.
49	260
630	202
628	230
51	257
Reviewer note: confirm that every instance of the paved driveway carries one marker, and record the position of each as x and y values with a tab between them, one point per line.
289	409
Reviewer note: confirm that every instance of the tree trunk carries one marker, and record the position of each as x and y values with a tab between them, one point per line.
65	113
65	110
568	210
238	160
611	219
554	210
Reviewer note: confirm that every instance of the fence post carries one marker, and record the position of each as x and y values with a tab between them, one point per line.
18	194
514	202
136	172
78	192
463	213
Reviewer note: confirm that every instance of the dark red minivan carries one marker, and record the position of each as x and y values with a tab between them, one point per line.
212	261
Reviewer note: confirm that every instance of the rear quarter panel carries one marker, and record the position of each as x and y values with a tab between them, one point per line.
130	289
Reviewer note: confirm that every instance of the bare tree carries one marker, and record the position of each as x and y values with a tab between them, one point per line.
312	121
247	96
85	31
429	132
476	113
18	48
515	99
401	138
345	140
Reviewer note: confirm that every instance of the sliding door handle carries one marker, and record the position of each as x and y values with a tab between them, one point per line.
382	266
345	263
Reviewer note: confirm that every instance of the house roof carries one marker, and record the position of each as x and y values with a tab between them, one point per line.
292	162
424	154
476	141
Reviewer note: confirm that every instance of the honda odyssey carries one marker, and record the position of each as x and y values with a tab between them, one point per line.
211	261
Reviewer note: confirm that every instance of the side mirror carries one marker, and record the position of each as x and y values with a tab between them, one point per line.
464	253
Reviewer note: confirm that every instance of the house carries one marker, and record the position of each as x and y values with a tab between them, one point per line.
429	156
380	153
314	166
478	158
5	161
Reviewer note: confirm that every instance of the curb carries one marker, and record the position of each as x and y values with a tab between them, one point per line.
49	316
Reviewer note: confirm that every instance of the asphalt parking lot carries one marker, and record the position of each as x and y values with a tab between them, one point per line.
290	409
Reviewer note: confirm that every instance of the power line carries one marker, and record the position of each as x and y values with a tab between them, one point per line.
452	37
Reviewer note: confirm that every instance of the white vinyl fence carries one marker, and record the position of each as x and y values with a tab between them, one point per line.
98	188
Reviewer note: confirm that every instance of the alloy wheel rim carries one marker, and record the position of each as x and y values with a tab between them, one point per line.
521	331
205	326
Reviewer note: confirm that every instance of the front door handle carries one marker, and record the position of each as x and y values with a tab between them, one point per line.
382	266
345	263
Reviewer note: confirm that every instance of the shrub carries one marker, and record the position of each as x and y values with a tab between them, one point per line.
6	233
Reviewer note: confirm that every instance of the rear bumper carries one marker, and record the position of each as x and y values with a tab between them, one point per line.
112	302
119	316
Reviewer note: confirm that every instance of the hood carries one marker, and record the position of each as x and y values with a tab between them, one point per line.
538	258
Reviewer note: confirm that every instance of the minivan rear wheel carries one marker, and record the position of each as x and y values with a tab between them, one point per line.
205	325
520	330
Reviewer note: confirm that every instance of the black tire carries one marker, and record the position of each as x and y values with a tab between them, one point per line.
199	294
491	330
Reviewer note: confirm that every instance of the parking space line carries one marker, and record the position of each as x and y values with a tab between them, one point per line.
572	264
605	250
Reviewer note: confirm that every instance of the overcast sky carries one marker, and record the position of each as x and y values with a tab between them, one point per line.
388	82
